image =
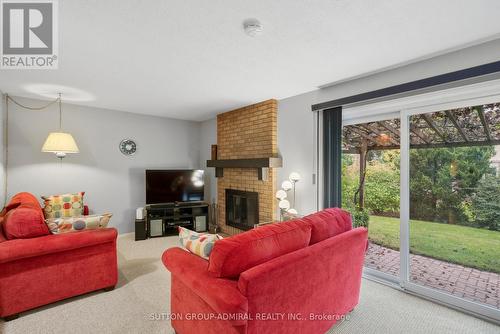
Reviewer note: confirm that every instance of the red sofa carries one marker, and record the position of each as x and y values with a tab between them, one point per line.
38	268
295	277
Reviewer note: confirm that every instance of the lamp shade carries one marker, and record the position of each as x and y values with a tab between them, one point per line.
60	142
281	194
286	185
284	204
294	177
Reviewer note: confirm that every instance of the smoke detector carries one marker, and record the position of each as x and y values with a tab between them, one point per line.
252	27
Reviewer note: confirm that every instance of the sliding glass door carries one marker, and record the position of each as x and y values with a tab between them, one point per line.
370	188
453	193
428	181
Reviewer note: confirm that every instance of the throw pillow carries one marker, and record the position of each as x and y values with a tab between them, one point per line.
66	205
24	223
23	218
70	224
200	244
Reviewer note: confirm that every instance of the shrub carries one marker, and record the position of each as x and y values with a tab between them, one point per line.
486	203
360	218
382	188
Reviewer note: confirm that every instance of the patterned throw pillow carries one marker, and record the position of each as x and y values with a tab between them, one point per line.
70	224
200	244
67	205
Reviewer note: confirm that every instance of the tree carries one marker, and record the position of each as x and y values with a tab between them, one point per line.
382	187
443	182
486	203
442	179
350	179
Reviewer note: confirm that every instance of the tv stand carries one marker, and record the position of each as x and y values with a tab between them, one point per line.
164	219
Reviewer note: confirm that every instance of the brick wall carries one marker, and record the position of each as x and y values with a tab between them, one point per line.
249	132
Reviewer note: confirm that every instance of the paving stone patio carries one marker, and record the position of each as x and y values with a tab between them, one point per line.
472	284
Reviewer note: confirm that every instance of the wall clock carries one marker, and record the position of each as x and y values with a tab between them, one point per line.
128	147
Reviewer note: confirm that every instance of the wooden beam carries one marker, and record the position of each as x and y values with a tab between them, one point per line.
362	134
379	133
419	134
455	123
362	173
390	128
262	165
271	162
438	145
433	126
263	174
352	151
480	112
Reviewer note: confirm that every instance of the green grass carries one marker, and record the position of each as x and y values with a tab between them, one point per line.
468	246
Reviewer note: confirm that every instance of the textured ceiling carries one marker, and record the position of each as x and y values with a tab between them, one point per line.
191	59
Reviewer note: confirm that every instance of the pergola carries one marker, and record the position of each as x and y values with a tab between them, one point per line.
470	126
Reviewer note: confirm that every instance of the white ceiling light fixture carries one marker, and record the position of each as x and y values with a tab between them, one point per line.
252	27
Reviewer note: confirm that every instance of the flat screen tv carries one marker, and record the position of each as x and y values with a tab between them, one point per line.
168	186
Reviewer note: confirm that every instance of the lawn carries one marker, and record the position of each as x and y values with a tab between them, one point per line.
468	246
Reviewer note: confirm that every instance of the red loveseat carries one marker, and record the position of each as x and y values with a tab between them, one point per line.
38	268
300	276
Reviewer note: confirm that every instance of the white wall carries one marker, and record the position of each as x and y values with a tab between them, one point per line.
296	128
112	182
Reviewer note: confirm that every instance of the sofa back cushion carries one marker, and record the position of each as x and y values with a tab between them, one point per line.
232	256
23	218
328	223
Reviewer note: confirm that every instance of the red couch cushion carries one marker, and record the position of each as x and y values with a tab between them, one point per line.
2	235
232	256
24	198
24	223
328	223
23	218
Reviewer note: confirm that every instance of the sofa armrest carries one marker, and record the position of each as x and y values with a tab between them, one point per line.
322	278
221	294
16	249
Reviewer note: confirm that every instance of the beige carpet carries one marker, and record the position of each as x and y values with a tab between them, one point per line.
143	290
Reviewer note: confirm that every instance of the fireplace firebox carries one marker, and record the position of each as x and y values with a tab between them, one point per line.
242	209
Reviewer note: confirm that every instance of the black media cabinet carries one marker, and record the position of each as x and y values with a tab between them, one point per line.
163	219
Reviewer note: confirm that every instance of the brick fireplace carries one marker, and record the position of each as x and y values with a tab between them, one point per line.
245	133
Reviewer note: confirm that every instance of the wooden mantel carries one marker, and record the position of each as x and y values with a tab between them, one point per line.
262	164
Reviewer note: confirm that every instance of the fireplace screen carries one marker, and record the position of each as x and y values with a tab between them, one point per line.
242	209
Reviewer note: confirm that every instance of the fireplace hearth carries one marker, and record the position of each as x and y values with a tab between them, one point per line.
242	209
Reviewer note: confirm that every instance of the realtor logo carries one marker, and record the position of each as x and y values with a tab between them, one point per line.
29	34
